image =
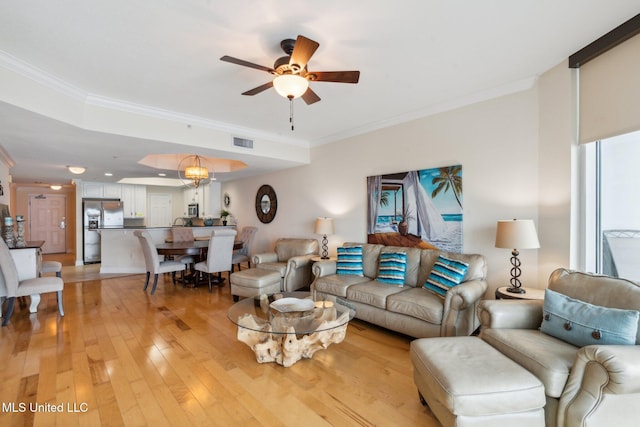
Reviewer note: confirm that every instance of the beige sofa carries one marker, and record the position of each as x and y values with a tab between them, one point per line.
595	385
411	309
292	259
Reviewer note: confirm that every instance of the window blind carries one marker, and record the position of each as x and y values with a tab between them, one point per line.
610	93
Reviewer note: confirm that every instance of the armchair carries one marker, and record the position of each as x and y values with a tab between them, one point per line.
593	385
292	259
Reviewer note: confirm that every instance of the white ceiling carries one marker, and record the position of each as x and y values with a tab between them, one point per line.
416	57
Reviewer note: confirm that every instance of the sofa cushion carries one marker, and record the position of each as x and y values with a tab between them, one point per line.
580	323
338	284
446	274
350	261
393	266
604	291
548	358
370	254
372	293
418	303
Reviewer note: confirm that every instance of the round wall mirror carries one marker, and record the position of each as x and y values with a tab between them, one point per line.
266	204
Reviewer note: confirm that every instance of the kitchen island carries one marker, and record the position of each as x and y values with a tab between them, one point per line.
121	251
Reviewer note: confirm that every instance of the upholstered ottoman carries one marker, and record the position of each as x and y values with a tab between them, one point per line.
254	282
466	382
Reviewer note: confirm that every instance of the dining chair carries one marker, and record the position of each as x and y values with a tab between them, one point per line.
219	254
183	234
12	287
243	254
152	261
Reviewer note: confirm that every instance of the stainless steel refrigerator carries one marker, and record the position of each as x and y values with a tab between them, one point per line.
99	214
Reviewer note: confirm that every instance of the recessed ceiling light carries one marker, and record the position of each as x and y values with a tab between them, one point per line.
76	169
56	187
108	174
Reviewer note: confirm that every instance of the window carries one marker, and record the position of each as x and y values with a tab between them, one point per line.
612	200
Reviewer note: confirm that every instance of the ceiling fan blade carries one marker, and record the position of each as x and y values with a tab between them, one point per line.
302	51
257	90
310	97
334	76
246	63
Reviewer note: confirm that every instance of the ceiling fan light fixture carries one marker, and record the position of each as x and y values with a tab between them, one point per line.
290	85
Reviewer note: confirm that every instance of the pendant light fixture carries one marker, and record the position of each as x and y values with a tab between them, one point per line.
194	172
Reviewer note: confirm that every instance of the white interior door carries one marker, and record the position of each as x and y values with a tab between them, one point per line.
47	218
160	210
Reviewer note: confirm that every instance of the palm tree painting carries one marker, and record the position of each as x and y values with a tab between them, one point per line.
434	198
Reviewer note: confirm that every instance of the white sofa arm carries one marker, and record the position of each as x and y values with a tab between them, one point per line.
602	374
265	257
298	273
459	314
512	314
324	268
299	261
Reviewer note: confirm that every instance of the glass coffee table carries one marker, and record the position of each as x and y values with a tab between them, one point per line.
289	326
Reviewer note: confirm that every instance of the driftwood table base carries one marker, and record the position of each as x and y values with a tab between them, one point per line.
285	348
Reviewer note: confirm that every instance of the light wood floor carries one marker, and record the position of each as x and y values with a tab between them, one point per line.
123	357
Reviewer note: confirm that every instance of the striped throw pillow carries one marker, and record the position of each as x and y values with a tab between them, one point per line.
446	274
392	268
350	261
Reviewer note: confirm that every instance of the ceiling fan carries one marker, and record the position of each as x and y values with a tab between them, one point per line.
292	77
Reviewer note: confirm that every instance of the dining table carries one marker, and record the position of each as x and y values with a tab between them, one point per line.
197	248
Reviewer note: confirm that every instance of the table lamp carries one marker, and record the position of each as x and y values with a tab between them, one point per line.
521	234
324	226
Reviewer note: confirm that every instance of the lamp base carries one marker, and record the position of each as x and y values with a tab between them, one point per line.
325	257
516	290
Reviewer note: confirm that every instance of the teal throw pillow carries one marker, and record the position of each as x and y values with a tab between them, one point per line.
350	261
580	323
392	268
446	274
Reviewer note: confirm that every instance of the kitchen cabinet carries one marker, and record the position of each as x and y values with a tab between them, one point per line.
93	190
134	200
207	197
112	191
101	190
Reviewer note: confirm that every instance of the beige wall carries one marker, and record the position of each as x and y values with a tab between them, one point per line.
558	172
496	142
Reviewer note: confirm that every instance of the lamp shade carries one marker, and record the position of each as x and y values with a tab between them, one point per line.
324	226
290	85
517	234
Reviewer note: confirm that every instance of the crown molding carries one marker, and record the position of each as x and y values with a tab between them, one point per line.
27	70
6	158
49	81
518	86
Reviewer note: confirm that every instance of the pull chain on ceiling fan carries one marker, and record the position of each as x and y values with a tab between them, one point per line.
292	77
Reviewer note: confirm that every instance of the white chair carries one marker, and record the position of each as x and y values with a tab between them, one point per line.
219	254
11	286
152	261
243	254
183	234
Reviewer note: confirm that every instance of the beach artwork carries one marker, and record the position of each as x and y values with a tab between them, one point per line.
421	208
